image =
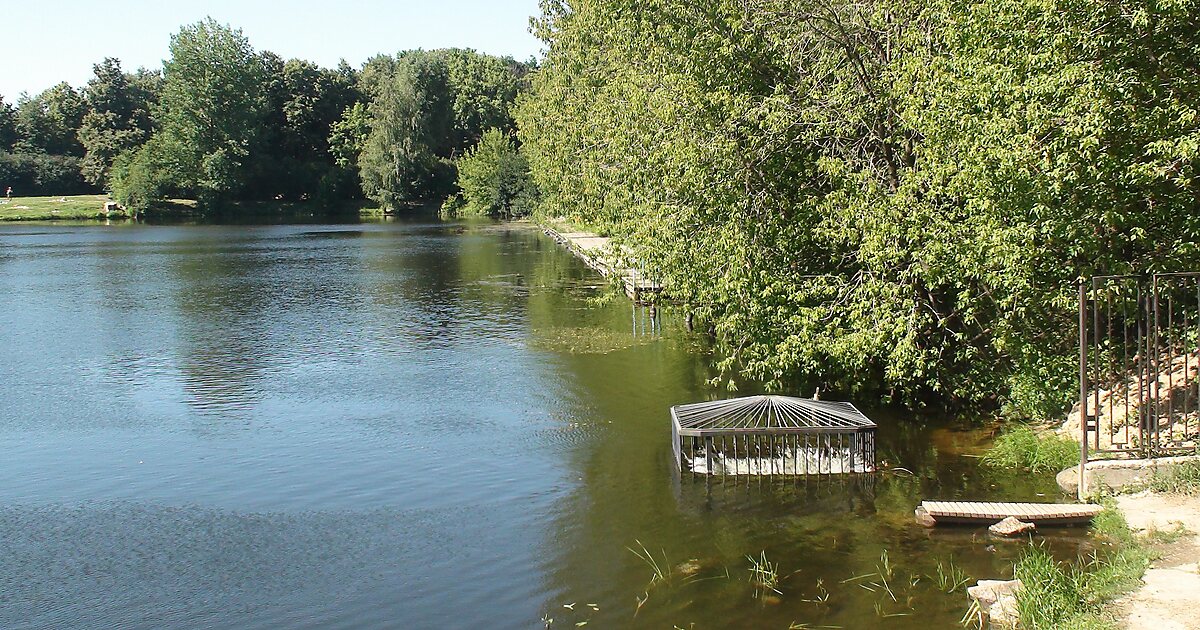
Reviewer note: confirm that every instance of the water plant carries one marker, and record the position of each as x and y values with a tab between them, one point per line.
822	595
883	580
660	572
949	577
764	574
1022	447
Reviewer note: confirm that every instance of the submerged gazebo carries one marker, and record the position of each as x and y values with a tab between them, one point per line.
772	435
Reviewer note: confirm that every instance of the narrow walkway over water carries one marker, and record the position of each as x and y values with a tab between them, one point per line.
599	254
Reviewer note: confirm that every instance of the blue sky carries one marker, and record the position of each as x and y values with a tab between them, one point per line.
47	41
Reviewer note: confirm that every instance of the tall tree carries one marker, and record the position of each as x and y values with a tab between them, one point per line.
210	113
303	102
411	121
8	125
49	122
118	117
485	89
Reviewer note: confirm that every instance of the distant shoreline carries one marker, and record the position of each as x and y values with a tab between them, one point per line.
92	208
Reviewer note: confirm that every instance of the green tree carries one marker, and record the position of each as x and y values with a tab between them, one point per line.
485	88
41	174
403	158
376	72
348	136
8	125
49	122
209	116
494	178
118	117
303	102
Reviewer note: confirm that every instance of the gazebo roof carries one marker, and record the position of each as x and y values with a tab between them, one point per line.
768	414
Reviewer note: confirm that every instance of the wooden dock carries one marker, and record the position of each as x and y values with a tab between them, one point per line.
594	251
978	513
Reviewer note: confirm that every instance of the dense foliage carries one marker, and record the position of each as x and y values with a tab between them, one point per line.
118	117
494	179
224	123
888	196
427	108
897	196
39	148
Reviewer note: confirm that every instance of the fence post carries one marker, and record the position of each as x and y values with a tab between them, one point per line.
1083	391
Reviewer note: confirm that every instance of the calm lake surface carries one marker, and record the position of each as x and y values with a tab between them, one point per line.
410	425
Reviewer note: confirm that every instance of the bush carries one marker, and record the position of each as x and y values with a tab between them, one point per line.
494	178
136	180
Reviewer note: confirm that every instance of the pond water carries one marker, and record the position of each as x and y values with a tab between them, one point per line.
412	425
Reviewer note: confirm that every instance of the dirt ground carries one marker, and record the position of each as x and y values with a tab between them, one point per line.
1170	597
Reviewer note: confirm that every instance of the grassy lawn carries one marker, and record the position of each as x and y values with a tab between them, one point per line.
85	207
51	208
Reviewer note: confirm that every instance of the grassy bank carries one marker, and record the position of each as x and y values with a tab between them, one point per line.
1080	595
1074	595
1029	449
1069	595
91	207
73	207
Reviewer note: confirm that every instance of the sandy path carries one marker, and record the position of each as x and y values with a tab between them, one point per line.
1170	597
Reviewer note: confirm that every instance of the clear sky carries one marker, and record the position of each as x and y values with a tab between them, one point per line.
43	42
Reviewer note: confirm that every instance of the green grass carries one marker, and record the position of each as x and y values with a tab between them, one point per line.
72	207
1182	478
86	207
660	572
1071	596
949	577
1022	447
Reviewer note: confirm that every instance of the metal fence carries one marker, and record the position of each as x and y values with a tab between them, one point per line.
1138	364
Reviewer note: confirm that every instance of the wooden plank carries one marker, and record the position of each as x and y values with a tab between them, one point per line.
981	512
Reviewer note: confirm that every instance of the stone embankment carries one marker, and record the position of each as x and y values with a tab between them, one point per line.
1118	474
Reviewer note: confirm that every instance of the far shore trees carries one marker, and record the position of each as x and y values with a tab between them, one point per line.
232	124
494	179
427	109
210	118
118	117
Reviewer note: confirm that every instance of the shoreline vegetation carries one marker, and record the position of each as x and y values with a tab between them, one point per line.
1078	595
1091	593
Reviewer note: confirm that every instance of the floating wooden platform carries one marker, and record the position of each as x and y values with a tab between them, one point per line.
978	513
